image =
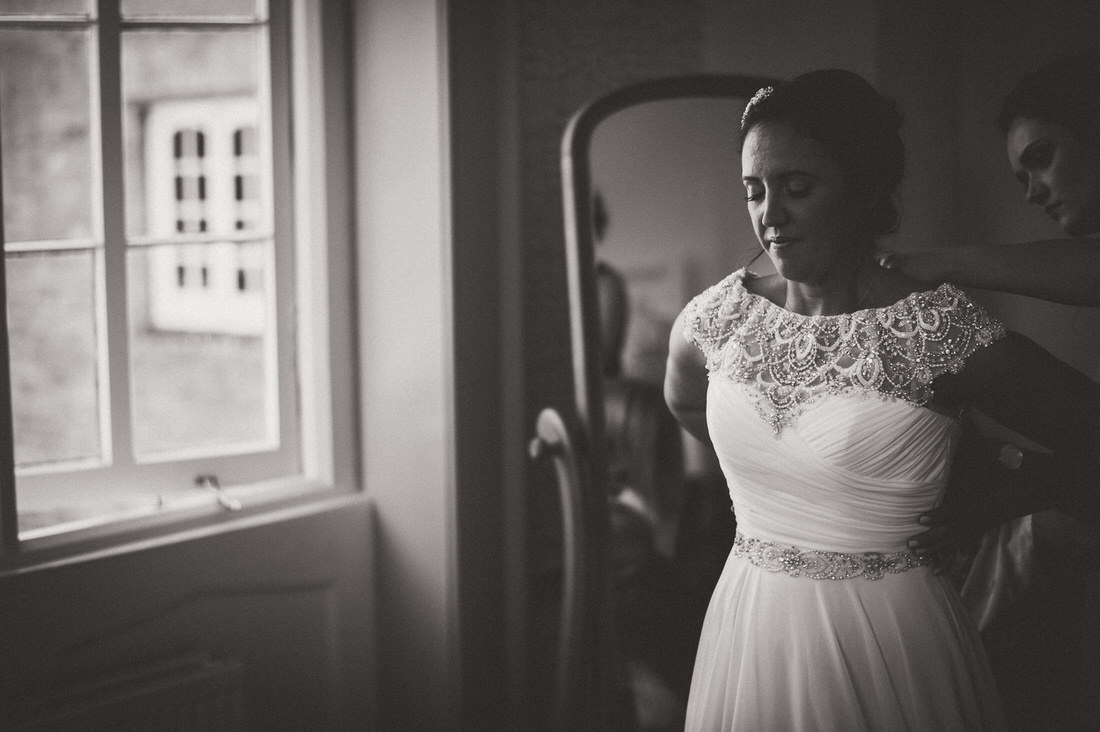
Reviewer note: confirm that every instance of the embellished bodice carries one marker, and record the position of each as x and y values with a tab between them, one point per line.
816	420
790	360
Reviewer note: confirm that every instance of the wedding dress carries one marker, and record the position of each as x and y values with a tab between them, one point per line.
822	620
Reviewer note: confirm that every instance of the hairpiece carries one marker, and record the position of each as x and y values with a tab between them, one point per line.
761	94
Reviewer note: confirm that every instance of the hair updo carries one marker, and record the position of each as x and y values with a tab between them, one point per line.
1065	92
857	126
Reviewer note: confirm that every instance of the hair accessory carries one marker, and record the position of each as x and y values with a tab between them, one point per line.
761	94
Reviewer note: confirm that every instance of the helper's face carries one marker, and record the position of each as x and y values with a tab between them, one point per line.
1058	172
799	203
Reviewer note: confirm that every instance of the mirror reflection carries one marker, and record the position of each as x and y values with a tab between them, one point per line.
667	219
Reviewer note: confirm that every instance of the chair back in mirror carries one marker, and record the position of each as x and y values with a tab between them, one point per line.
654	212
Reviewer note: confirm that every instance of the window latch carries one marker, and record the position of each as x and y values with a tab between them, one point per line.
226	501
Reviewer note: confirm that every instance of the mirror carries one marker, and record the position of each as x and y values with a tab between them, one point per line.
654	212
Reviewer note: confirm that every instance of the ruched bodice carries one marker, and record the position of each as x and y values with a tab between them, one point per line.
852	474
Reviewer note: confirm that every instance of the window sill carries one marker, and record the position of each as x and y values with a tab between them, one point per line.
174	518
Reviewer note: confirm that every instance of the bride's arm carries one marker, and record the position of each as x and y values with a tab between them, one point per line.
686	383
1060	270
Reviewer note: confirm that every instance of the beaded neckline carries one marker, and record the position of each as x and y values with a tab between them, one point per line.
747	274
791	360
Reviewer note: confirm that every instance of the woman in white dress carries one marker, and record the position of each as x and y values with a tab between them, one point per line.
830	392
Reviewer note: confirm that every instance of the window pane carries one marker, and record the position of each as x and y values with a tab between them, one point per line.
52	337
134	9
200	359
193	120
45	7
196	169
45	130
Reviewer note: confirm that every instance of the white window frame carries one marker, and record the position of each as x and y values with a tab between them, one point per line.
302	210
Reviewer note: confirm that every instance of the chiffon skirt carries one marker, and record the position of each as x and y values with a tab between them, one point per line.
792	653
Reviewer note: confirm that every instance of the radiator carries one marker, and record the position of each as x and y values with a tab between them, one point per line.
193	694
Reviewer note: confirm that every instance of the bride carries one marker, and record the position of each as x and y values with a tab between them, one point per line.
830	392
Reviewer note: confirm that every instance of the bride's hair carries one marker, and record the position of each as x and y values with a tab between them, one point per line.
856	125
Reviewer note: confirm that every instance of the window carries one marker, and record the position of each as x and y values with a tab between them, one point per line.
150	268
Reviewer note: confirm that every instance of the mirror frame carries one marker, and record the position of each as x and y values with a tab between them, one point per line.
579	243
587	685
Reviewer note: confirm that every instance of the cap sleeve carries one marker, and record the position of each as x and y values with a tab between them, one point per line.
712	315
953	327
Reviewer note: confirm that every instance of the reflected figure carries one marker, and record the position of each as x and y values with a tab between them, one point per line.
611	298
645	473
830	393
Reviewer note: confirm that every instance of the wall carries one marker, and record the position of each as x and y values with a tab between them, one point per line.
405	356
917	65
783	38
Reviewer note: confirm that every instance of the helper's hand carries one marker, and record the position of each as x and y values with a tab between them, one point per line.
981	494
927	265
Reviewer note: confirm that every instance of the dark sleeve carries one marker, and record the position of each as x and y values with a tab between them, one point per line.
1024	387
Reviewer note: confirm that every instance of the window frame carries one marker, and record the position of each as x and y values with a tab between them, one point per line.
316	329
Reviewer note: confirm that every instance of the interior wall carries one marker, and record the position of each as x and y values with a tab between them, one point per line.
406	352
783	38
917	65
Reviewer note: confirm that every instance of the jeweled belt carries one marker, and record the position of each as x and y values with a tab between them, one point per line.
819	564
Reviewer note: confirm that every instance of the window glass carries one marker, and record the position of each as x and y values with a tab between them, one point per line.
49	188
193	8
187	96
52	338
199	351
202	336
45	7
45	131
